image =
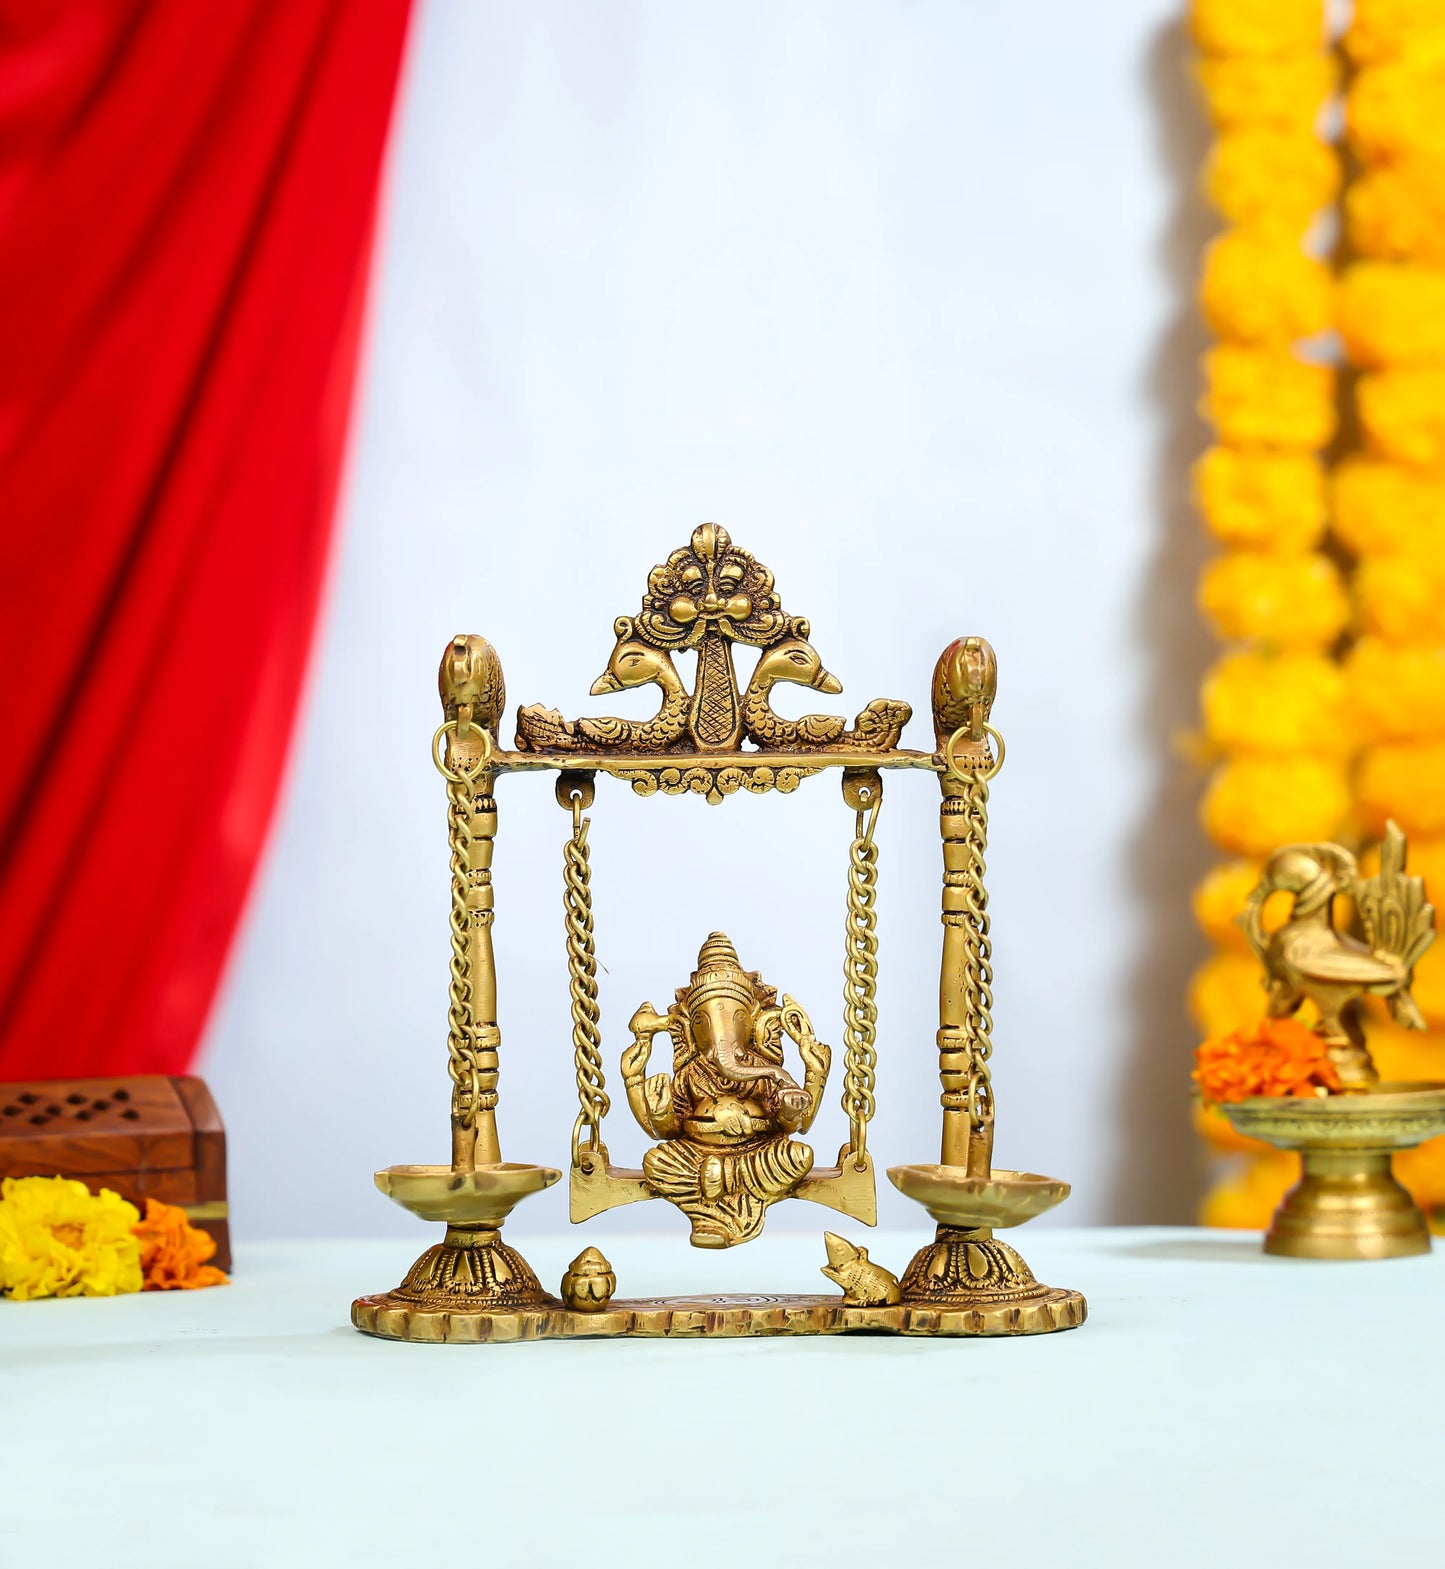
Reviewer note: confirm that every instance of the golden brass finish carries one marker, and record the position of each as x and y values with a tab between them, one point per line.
471	1269
1308	958
964	1266
588	1285
728	1115
864	1283
1347	1204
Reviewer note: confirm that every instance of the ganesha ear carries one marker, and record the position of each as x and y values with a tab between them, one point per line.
768	1034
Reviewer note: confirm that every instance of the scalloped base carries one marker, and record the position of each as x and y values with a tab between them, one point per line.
393	1318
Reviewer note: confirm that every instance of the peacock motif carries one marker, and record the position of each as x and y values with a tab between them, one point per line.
795	660
1308	958
632	663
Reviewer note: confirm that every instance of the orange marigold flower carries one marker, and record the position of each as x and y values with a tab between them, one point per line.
1257	27
1268	398
1263	288
1286	602
1397	213
1261	497
1271	178
1402	412
1287	91
1271	1057
173	1252
1391	315
1380	507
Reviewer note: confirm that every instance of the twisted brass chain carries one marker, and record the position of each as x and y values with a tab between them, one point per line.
972	783
461	1046
978	965
860	983
582	975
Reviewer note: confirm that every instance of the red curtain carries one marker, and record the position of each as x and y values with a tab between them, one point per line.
187	192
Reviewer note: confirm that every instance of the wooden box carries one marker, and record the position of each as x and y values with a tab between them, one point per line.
143	1137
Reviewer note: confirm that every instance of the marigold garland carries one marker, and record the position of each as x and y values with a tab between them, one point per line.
1380	507
1269	398
1397	212
1284	601
1252	805
1402	413
1260	498
1392	315
1275	706
1397	693
1266	702
58	1239
1260	288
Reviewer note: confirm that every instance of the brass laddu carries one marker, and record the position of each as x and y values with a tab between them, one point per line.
729	1117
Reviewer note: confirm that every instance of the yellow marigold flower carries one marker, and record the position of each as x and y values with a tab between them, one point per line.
1247	1200
1286	602
1427	860
1270	177
1402	597
1268	398
1397	213
1392	315
1406	781
1401	1055
1287	91
1421	1171
1389	29
1265	702
1396	694
1393	110
58	1239
1263	288
1260	497
1225	993
1257	27
1255	804
1221	896
1403	413
1429	989
1383	507
1218	1132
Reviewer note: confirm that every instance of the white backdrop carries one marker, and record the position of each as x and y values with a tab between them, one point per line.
894	291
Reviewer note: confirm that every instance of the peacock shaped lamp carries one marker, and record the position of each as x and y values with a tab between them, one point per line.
1347	1128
